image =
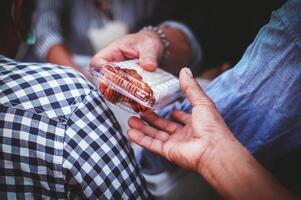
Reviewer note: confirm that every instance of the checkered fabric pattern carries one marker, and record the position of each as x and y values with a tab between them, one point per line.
59	140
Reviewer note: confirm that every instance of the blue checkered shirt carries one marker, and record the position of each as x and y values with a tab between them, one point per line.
59	140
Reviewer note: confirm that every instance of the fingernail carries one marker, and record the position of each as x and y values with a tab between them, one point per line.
188	72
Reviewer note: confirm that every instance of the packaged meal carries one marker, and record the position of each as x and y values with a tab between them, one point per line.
130	86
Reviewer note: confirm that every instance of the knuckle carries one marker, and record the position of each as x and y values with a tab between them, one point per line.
205	103
195	85
149	42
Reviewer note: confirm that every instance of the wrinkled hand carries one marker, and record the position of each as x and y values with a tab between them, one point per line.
145	45
190	139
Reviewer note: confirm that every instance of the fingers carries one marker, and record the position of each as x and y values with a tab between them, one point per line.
97	61
181	117
138	124
147	142
129	53
104	56
146	45
146	136
192	89
113	53
160	123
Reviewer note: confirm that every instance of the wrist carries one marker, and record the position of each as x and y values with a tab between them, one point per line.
229	166
235	174
218	152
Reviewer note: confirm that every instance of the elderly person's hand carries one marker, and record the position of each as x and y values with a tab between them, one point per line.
202	142
189	139
147	46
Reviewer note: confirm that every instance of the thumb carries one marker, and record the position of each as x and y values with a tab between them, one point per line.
148	57
192	89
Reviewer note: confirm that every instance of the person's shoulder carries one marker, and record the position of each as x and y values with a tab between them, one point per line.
50	90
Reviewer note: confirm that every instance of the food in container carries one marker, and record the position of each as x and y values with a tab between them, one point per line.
128	85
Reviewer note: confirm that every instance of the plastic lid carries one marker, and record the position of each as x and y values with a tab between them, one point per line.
130	86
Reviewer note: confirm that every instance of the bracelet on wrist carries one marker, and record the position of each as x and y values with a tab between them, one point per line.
164	40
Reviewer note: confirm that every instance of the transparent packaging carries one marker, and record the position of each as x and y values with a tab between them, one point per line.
133	88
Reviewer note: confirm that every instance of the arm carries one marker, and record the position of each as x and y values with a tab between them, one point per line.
50	42
202	142
60	55
236	174
189	46
256	97
147	46
180	50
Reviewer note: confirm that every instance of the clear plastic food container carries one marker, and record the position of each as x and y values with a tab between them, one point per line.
133	88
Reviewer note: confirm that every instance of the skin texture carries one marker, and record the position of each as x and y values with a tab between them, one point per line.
147	47
60	55
186	136
202	142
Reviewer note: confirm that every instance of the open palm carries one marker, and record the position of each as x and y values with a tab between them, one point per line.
186	140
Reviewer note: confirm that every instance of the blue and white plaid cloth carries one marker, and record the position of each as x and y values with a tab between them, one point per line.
58	139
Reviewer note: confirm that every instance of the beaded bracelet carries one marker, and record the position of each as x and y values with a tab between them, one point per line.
164	41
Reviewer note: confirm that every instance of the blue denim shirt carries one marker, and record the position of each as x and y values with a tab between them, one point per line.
260	98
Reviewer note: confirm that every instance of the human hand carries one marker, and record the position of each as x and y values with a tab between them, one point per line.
193	138
145	45
202	142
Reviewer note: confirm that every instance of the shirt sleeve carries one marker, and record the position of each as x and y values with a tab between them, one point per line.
47	27
97	157
196	60
259	98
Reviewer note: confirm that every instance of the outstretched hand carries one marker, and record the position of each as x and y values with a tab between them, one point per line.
192	137
202	142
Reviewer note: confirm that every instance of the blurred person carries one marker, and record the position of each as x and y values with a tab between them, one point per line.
67	28
258	98
58	138
222	29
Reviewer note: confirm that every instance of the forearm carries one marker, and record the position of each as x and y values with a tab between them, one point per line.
47	26
180	50
236	174
59	54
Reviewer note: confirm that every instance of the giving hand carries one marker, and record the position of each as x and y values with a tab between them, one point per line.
145	45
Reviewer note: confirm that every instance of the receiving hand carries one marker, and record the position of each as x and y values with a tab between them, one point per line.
145	45
190	139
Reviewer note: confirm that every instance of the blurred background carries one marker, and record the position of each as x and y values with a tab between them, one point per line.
70	32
